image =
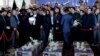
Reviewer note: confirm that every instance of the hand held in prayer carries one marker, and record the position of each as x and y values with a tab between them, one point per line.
97	24
8	27
41	27
57	28
90	29
57	21
15	29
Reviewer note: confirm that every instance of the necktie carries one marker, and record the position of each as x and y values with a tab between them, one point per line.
4	20
17	19
52	20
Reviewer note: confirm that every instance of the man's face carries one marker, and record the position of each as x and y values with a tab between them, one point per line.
9	14
14	12
81	13
56	10
51	12
89	11
46	7
72	10
4	13
97	11
48	12
29	11
56	4
35	12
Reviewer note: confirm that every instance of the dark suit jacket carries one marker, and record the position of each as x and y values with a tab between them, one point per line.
59	18
97	18
75	16
66	22
14	22
7	20
88	21
47	21
2	24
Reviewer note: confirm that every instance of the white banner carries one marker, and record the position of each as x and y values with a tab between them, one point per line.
19	3
1	4
28	3
10	3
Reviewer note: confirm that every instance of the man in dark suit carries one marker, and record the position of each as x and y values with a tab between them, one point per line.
14	24
23	27
57	25
97	26
75	31
66	23
46	25
88	23
2	27
14	20
52	19
7	29
30	12
58	18
2	22
35	23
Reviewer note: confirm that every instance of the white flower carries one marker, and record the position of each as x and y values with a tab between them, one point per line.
78	44
8	27
50	36
26	47
76	23
51	43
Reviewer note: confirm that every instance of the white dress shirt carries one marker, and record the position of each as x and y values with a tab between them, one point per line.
52	20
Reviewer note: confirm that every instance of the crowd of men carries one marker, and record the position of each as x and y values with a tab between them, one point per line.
60	18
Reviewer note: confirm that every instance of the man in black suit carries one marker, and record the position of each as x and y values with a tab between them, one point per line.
30	12
14	25
2	22
76	29
54	24
23	27
66	23
46	25
7	29
57	25
52	17
35	23
88	24
2	27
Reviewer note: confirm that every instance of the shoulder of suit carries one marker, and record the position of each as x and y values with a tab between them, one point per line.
99	14
12	16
